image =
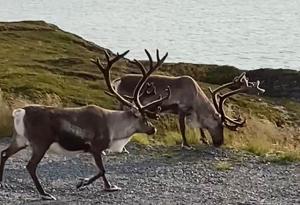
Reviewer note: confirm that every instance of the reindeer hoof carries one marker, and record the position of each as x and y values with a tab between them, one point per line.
112	188
204	141
83	182
4	185
125	151
47	196
186	147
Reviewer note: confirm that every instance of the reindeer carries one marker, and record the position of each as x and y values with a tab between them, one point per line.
190	103
90	129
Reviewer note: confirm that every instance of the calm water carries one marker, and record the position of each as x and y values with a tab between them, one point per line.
248	34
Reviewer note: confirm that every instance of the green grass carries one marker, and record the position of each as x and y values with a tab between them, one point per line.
141	139
36	61
284	158
39	63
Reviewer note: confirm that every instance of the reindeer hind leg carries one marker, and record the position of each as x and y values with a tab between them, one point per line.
203	138
18	143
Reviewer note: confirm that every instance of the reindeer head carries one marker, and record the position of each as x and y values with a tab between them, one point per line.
139	114
242	85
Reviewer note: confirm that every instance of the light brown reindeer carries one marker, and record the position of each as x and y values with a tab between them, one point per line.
89	129
191	104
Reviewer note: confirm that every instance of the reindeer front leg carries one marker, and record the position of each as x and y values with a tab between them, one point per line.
203	138
184	144
13	148
38	153
107	186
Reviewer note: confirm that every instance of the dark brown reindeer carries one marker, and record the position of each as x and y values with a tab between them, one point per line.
89	129
190	103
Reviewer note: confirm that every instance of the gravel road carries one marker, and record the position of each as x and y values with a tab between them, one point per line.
156	176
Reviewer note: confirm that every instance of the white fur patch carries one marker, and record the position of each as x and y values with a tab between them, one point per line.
18	115
22	141
118	145
55	148
192	121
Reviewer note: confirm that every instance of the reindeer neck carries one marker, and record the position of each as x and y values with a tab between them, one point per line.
203	108
121	125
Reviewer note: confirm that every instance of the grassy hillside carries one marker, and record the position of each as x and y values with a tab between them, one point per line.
39	63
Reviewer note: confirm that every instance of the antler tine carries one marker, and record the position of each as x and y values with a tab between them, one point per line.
115	59
225	118
141	66
240	78
247	86
99	64
237	80
157	55
106	73
107	56
257	88
159	101
150	60
160	61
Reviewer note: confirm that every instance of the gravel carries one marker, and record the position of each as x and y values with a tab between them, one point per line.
205	175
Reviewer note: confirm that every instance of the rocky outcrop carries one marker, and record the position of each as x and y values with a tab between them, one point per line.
278	82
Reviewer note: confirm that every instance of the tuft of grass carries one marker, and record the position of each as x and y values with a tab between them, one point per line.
223	166
259	146
171	138
141	139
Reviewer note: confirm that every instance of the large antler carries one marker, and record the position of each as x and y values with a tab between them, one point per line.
150	90
237	80
244	86
106	73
